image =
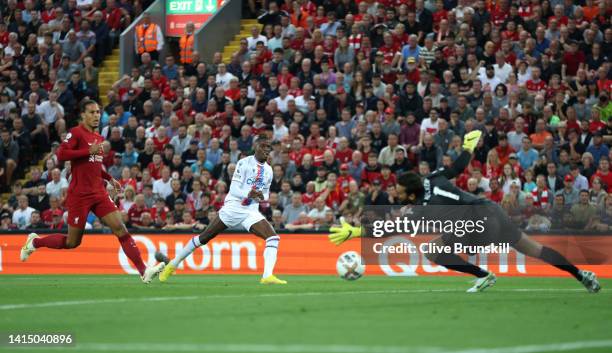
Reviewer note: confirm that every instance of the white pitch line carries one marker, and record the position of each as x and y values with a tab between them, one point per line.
266	295
92	301
320	348
553	347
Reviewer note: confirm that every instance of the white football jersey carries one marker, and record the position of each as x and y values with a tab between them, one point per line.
249	174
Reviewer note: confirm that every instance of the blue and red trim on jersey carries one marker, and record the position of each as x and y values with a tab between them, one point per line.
258	182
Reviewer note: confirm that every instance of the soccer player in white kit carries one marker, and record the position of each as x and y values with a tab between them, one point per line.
250	185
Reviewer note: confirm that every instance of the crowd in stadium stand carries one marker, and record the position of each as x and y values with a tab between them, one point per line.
352	92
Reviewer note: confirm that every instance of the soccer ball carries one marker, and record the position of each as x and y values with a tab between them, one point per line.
350	266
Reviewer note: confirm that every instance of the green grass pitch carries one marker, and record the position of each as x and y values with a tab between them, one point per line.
214	313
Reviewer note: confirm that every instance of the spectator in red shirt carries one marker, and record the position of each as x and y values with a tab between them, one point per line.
343	152
160	211
390	51
504	150
136	210
572	60
535	84
156	166
126	179
386	178
319	151
541	194
371	171
48	13
345	178
596	125
440	14
310	195
603	172
4	34
234	91
333	194
53	210
559	17
160	139
496	194
298	151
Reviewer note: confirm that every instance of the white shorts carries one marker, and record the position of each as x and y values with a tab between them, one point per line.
233	215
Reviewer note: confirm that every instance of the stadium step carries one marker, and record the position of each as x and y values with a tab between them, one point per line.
234	44
28	175
111	63
108	74
231	48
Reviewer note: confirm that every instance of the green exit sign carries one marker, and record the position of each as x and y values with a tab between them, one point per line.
184	7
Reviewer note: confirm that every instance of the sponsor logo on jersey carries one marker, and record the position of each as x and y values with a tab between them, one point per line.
256	182
96	158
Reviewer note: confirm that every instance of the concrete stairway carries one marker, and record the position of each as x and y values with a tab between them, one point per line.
245	31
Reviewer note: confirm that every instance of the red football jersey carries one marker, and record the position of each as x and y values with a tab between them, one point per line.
535	86
87	171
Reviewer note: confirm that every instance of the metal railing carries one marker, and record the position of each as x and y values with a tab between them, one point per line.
127	50
218	30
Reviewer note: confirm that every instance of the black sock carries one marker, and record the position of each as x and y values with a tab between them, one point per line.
455	262
552	257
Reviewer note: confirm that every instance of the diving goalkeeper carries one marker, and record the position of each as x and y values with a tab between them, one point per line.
436	189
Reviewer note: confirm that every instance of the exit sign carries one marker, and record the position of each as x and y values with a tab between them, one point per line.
184	7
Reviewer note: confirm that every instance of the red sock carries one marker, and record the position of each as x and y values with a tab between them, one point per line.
53	241
131	251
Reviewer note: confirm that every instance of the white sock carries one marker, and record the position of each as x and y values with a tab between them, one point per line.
269	255
190	247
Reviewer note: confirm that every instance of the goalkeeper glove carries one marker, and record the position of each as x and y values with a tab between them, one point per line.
343	233
470	140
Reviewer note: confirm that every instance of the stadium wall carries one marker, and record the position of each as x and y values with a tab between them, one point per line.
127	50
240	253
219	29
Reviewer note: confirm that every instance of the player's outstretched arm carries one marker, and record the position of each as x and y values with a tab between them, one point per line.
343	233
470	140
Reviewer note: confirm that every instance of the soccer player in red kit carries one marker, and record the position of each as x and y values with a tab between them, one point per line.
87	192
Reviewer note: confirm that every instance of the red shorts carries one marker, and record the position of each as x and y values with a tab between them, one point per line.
79	207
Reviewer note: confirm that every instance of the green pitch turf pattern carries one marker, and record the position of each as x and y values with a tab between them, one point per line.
213	313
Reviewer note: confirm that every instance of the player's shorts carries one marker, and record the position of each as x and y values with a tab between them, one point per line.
233	215
79	207
499	228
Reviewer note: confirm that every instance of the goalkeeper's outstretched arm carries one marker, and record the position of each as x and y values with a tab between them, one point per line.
339	235
470	140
